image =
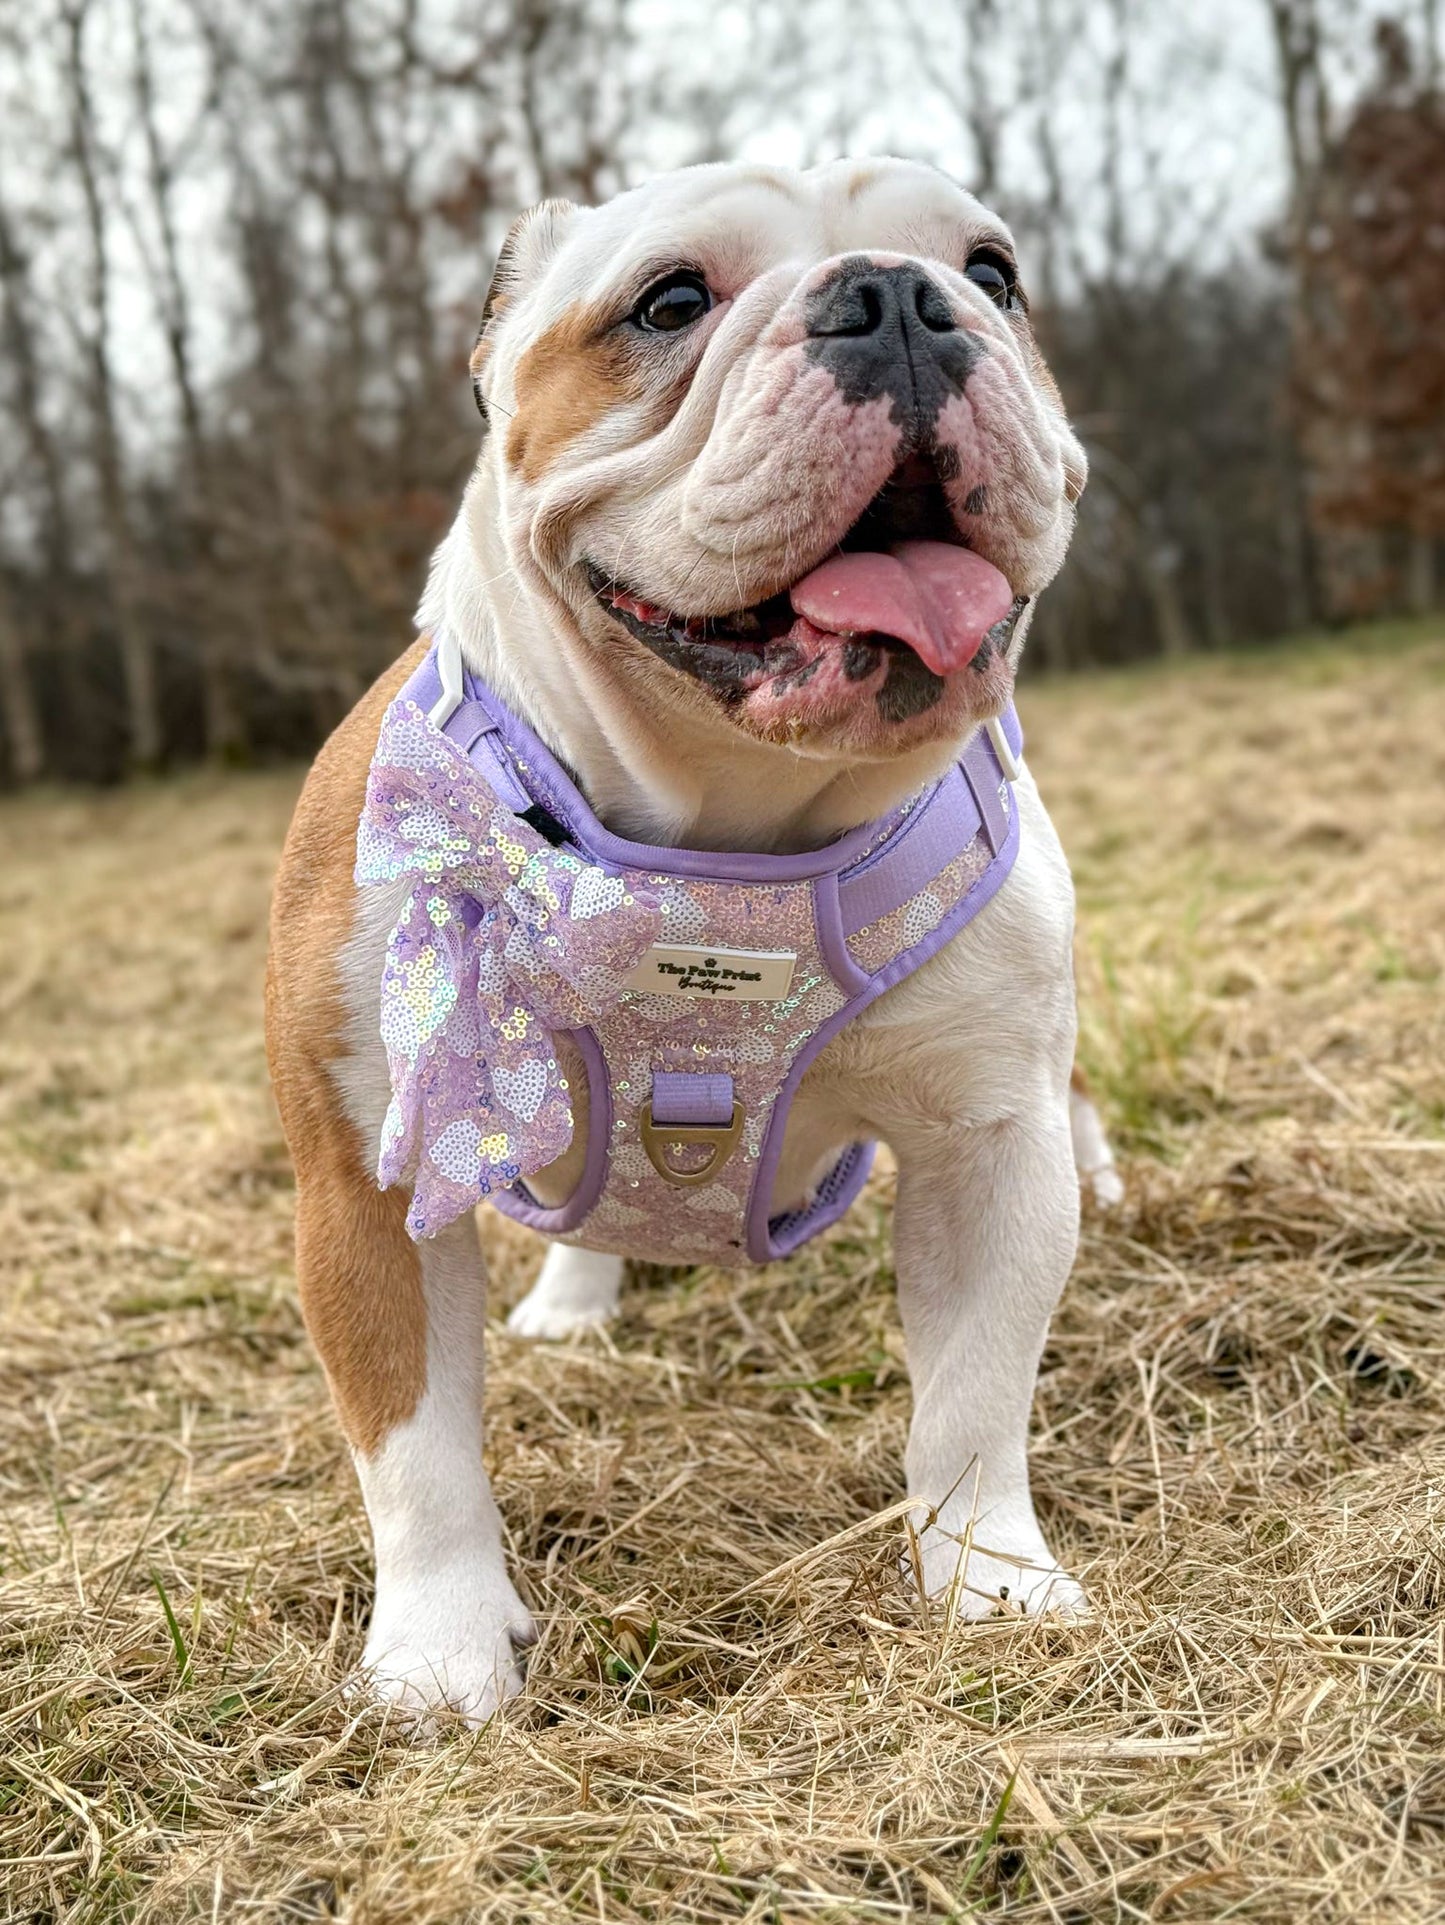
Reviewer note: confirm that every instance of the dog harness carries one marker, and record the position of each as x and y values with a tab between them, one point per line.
695	987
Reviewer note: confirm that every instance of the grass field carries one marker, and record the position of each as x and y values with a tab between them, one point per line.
737	1710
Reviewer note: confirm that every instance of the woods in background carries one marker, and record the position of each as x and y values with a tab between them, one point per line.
243	250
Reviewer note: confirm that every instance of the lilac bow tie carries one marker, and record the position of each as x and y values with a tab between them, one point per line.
502	940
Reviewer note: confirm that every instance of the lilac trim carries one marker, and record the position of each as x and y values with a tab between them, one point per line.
474	732
467	725
565	800
760	1242
423	686
836	1193
689	1098
497	771
983	787
832	940
518	1202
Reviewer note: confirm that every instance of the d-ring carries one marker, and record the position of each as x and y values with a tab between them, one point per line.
657	1138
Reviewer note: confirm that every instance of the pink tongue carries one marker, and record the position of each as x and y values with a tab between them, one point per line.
939	599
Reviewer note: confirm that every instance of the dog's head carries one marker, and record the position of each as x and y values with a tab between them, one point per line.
777	450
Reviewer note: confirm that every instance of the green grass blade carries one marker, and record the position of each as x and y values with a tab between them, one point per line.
183	1656
990	1835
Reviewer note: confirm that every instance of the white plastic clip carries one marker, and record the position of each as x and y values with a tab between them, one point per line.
1011	765
452	672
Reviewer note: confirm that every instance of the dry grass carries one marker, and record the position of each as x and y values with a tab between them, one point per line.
1238	1430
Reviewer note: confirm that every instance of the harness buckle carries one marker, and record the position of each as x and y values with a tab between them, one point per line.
658	1138
451	672
1011	764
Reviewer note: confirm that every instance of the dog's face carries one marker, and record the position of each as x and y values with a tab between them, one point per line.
777	450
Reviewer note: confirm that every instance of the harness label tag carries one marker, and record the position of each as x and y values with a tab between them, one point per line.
725	975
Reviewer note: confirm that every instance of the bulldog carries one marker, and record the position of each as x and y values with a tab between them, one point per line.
773	474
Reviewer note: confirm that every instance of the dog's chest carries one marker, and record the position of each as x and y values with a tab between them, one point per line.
691	990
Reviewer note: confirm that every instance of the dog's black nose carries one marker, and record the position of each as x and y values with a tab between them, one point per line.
890	330
863	300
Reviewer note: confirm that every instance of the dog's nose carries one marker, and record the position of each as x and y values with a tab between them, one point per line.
863	300
890	330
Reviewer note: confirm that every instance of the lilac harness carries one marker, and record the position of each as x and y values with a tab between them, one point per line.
696	987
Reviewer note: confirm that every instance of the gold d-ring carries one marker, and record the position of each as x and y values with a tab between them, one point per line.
722	1137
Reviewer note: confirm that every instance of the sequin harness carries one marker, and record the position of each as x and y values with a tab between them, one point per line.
696	987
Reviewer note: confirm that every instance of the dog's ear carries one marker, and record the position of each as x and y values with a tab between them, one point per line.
531	242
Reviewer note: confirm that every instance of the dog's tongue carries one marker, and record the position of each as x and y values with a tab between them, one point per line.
939	599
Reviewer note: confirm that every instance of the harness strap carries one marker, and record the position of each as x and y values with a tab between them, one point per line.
474	729
992	819
691	1097
935	832
965	800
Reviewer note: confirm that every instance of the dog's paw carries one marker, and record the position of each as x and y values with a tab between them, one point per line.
995	1587
540	1317
1000	1581
431	1656
1093	1157
577	1290
1105	1186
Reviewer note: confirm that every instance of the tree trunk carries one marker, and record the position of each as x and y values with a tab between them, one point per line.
224	730
1160	573
221	716
134	644
17	699
1420	576
1213	601
137	663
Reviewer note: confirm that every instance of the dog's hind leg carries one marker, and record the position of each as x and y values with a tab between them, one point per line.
1093	1154
577	1290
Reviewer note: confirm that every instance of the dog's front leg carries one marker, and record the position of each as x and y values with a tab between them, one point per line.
987	1222
399	1328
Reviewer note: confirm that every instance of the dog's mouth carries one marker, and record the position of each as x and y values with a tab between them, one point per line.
902	592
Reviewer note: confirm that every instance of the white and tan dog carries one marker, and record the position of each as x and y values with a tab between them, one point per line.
699	393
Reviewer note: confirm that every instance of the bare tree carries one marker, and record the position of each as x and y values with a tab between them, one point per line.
17	697
93	331
161	255
17	332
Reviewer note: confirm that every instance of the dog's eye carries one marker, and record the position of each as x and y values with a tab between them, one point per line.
673	303
995	275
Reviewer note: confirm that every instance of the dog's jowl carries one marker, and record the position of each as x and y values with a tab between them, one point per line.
690	851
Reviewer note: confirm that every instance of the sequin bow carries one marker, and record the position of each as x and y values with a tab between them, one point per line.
502	940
